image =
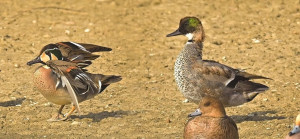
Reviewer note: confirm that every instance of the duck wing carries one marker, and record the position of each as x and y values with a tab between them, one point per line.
80	52
216	72
77	82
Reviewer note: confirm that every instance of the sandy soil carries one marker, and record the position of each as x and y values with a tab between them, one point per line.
259	36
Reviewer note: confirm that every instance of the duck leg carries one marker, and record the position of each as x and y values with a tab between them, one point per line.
59	116
66	116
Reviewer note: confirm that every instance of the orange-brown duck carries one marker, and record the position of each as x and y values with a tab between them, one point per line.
211	123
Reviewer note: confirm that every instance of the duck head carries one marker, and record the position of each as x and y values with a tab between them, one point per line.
296	128
192	28
212	107
49	52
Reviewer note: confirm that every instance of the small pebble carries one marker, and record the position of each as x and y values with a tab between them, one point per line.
46	35
169	121
69	23
274	90
67	32
256	40
75	123
17	65
224	58
47	104
185	101
87	30
151	54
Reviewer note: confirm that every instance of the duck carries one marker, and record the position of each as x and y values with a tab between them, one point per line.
210	122
197	78
295	133
62	78
80	53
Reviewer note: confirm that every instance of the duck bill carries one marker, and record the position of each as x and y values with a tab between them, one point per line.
36	60
196	113
295	130
175	33
291	133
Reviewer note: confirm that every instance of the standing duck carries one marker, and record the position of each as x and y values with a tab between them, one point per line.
295	133
213	123
197	78
62	78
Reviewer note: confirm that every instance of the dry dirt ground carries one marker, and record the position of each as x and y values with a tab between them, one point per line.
262	37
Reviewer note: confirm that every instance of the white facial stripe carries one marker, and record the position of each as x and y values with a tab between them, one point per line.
44	57
53	57
189	36
80	47
46	67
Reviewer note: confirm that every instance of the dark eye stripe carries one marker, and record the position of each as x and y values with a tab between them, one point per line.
48	54
56	52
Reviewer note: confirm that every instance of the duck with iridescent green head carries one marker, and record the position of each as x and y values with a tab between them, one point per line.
197	78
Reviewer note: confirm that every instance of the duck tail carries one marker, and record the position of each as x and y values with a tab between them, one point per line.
109	79
95	48
105	79
251	89
251	76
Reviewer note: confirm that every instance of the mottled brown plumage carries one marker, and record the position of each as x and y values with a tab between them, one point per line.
212	124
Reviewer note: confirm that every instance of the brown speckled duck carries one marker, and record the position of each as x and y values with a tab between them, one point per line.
295	133
197	78
213	123
62	78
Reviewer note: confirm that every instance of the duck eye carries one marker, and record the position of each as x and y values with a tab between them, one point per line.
47	53
206	104
57	54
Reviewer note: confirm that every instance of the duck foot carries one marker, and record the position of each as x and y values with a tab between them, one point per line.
58	117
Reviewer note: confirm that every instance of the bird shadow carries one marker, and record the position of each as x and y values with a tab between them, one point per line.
256	116
97	117
11	103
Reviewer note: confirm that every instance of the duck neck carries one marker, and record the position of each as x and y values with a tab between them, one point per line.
193	49
194	44
197	36
298	120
